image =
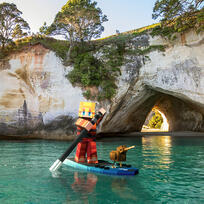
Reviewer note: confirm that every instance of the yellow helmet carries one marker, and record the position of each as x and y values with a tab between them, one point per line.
87	109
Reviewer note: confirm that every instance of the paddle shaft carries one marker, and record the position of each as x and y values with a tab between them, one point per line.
73	145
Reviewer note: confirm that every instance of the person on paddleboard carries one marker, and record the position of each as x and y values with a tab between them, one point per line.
87	146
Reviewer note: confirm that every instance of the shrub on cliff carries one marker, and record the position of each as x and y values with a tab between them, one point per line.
92	72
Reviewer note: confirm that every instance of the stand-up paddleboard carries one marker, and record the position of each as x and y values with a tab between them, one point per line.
103	167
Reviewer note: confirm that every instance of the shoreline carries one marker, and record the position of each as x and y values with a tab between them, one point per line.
109	135
174	134
157	133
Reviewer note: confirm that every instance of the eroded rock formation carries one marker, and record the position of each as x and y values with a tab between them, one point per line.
172	80
35	95
37	99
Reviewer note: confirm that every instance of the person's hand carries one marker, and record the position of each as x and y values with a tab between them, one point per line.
102	111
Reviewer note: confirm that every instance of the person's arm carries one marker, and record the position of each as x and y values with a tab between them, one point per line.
102	111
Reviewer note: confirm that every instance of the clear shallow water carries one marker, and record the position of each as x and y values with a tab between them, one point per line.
171	171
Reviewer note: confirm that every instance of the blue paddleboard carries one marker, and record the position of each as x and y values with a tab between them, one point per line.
103	167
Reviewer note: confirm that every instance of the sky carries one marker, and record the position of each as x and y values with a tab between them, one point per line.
123	15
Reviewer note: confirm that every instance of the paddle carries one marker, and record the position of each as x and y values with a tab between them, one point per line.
56	165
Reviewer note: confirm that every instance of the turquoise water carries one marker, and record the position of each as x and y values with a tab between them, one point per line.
171	171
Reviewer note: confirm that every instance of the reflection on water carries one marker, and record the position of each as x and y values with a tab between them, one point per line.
84	184
89	186
157	152
120	187
161	141
81	188
171	171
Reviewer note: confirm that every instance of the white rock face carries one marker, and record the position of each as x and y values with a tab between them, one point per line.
177	73
178	70
38	77
34	90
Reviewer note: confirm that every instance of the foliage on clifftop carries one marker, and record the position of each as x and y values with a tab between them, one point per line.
60	47
96	63
178	17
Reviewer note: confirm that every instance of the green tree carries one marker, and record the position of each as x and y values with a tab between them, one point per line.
12	25
78	21
170	9
156	121
179	14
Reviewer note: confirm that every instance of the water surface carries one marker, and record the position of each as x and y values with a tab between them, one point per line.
171	171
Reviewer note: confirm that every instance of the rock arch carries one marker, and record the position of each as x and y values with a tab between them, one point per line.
171	80
129	114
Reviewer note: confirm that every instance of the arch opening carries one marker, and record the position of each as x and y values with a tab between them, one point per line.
155	121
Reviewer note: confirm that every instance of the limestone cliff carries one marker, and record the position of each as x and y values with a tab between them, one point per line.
37	99
172	81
